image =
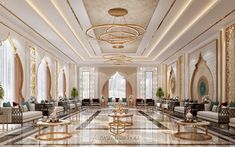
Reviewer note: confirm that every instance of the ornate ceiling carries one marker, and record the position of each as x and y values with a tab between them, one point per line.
172	26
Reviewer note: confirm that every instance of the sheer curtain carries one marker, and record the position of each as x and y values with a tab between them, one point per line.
7	77
61	84
149	85
117	86
42	82
86	84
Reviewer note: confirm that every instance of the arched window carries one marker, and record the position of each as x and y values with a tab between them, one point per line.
41	82
7	76
62	84
117	86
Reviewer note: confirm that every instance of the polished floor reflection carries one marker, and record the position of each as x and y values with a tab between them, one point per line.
90	127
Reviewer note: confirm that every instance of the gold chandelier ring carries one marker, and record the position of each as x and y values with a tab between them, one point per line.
132	26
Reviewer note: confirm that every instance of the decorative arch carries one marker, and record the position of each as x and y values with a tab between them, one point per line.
44	81
202	81
172	83
19	78
105	88
48	83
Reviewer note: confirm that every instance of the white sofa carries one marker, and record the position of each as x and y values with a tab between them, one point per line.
16	116
220	117
179	109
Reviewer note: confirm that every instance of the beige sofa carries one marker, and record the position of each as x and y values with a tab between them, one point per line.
220	117
16	116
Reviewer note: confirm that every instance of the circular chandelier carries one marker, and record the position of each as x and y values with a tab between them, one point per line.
116	33
117	59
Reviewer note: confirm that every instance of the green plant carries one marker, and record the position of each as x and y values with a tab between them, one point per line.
1	92
160	93
74	92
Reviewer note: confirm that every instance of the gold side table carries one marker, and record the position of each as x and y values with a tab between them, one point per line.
52	134
197	136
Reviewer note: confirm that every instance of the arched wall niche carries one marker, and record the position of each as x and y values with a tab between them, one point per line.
172	83
202	81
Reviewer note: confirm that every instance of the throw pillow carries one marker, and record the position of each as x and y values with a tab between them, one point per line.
214	109
25	108
232	104
15	104
123	99
6	104
27	105
212	104
109	99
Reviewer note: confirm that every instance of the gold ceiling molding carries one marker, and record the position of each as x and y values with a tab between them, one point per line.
117	59
118	32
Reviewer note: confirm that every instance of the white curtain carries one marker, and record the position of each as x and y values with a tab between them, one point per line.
61	84
7	77
86	84
42	82
117	86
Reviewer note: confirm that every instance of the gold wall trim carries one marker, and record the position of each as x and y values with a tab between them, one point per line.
33	31
229	30
199	35
217	68
221	71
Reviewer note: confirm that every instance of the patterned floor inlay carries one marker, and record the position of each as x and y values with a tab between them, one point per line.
91	128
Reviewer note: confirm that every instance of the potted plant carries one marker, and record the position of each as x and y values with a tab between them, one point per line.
160	93
1	93
74	92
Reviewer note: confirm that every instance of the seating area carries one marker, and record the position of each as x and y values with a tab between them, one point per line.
117	73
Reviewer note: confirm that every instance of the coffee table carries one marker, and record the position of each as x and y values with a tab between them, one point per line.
118	117
118	126
193	135
52	134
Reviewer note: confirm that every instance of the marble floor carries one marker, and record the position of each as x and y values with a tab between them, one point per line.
90	128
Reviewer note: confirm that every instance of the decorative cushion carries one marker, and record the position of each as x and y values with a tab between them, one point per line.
214	109
232	104
212	104
6	104
15	104
109	99
25	108
123	99
27	105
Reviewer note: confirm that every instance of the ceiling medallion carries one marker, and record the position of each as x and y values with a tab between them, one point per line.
117	59
117	32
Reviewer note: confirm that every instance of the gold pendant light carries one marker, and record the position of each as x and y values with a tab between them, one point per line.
116	33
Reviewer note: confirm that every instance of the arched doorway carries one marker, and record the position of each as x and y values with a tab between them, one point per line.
117	86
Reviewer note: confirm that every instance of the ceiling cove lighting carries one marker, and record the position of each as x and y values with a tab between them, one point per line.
118	32
117	59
